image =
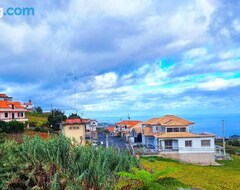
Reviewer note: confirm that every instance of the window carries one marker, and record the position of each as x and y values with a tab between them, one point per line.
205	143
70	127
169	130
182	129
188	143
125	126
175	129
6	115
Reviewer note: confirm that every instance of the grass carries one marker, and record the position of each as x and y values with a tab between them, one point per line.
37	119
221	177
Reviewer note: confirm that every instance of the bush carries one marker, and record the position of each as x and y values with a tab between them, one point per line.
39	129
11	127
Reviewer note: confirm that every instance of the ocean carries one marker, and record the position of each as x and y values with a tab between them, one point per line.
203	123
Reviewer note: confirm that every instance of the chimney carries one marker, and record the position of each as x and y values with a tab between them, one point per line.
30	101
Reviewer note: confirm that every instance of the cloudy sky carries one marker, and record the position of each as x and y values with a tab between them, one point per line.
114	57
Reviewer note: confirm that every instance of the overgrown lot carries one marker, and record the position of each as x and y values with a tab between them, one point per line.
224	177
56	164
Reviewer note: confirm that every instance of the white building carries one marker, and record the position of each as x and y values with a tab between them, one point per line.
170	135
124	129
10	111
29	105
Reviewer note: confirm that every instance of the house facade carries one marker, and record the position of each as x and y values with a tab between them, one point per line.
170	135
29	105
10	110
136	133
75	130
124	128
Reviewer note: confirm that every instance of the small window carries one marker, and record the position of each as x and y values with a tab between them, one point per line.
125	126
13	106
70	127
116	126
182	129
169	130
188	143
175	129
205	143
6	115
77	127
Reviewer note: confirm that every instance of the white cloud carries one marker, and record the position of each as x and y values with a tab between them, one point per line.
218	84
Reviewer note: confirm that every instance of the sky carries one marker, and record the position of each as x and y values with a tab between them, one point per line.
111	58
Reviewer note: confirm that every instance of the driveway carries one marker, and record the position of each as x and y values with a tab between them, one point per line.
112	141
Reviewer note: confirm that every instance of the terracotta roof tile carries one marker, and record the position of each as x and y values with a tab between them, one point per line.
169	120
182	135
73	121
7	104
129	123
111	129
138	128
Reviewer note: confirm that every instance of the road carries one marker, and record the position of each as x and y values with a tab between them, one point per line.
112	141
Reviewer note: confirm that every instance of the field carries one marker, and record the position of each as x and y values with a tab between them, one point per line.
223	177
37	119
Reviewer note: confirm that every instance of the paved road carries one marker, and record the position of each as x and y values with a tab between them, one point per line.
112	141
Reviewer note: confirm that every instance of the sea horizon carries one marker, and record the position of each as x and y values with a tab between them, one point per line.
207	123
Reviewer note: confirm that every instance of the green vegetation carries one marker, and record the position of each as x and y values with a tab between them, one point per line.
141	179
37	119
11	127
57	164
221	177
55	118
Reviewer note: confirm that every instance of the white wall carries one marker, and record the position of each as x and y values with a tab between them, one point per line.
196	145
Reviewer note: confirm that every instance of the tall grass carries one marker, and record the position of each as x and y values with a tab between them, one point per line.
57	164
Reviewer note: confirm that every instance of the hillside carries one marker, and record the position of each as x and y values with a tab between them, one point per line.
37	119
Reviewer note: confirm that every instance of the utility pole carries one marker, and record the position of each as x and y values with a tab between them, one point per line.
223	136
106	140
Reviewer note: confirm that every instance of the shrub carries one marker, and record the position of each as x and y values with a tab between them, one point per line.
57	164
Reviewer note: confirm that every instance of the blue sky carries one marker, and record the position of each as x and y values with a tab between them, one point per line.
109	58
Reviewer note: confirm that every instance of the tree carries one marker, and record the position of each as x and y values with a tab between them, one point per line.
55	118
11	127
74	116
39	109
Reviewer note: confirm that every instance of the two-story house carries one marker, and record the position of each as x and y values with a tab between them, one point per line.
171	136
123	128
10	111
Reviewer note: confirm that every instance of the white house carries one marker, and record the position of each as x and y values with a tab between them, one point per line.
29	105
124	128
170	135
10	111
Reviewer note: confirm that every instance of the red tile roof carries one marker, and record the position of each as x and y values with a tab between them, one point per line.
8	105
111	129
129	123
73	121
168	121
3	96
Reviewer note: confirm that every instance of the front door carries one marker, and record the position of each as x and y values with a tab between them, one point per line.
168	144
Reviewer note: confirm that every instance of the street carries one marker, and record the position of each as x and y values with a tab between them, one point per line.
112	141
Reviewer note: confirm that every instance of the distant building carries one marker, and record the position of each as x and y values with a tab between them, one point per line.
123	128
5	97
29	105
170	135
10	110
75	130
111	130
